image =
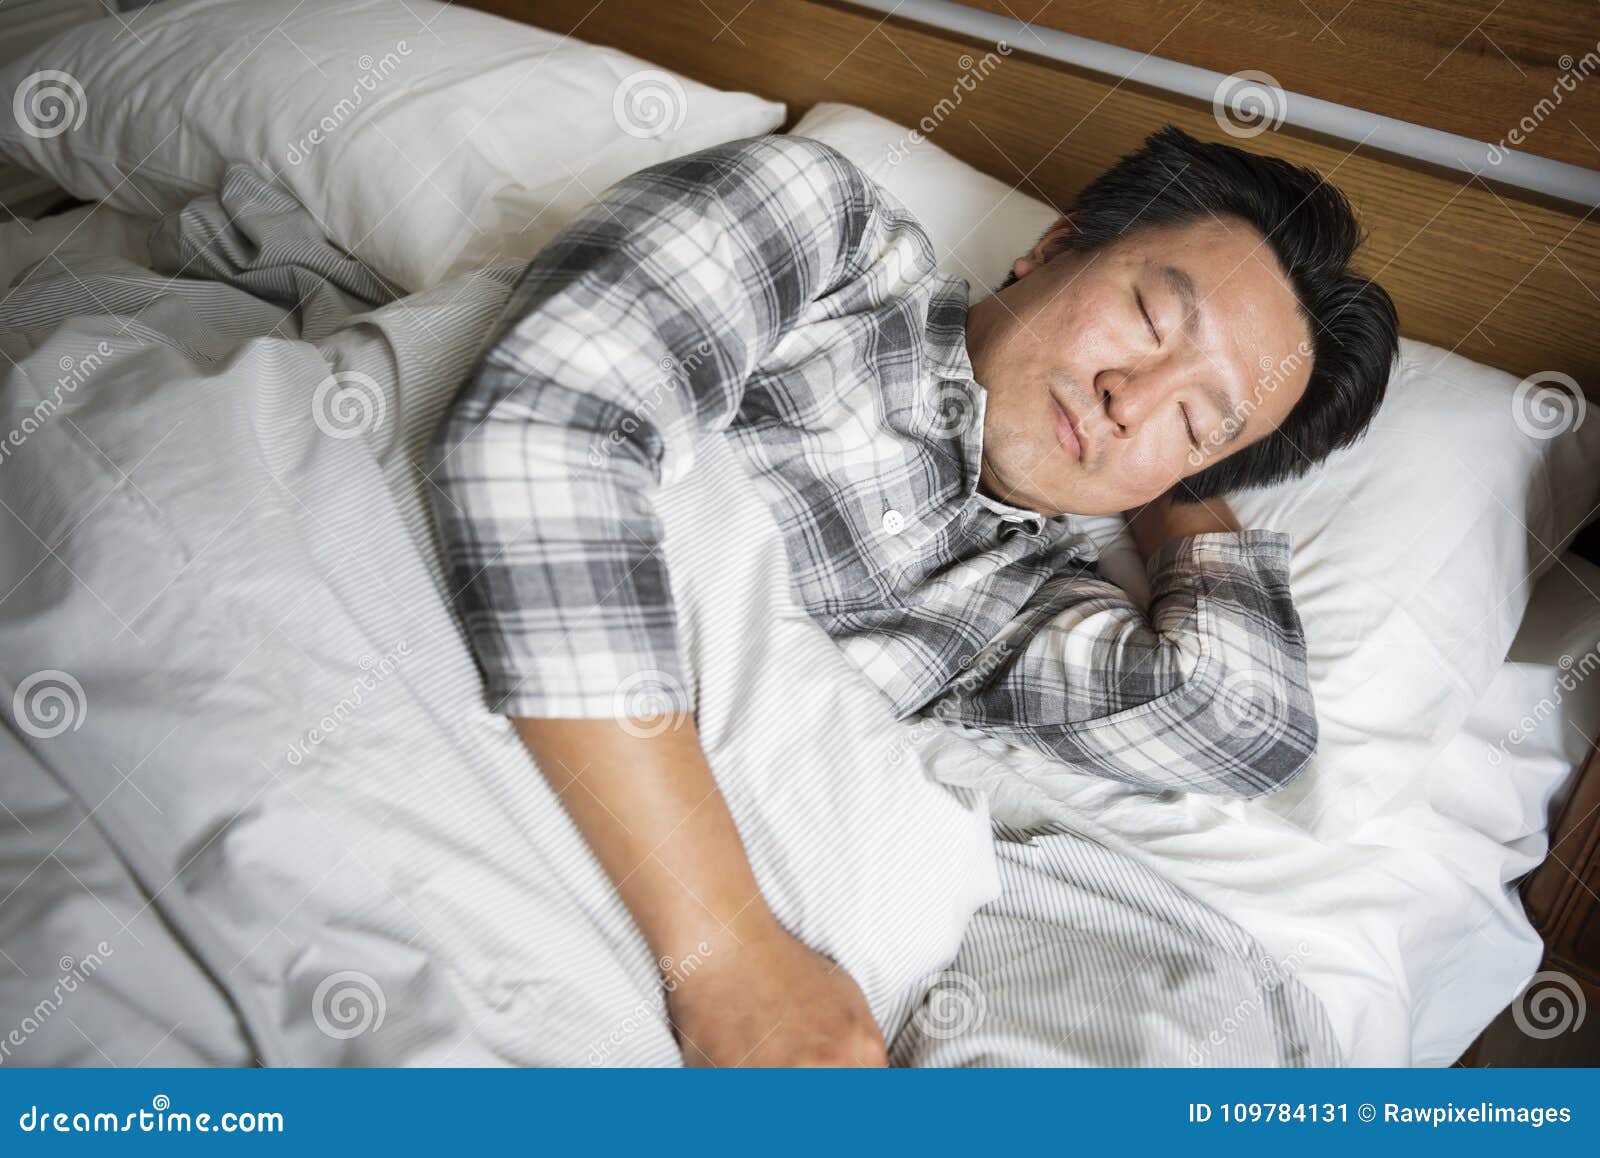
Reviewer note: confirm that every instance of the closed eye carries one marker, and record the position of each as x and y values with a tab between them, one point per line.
1189	426
1138	297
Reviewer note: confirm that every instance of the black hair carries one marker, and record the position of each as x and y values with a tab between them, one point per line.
1175	179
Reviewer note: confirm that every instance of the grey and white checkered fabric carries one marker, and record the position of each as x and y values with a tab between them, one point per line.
768	289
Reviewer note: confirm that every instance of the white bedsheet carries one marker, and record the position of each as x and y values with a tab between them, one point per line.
1409	930
87	229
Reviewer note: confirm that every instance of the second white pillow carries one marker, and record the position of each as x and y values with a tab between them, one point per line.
426	138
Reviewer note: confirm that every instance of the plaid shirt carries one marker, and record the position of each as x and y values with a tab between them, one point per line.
768	290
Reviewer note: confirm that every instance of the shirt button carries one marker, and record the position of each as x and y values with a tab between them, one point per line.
893	522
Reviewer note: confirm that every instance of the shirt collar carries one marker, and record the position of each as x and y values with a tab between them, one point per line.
946	332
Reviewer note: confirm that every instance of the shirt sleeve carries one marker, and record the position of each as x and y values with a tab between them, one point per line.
1208	693
631	333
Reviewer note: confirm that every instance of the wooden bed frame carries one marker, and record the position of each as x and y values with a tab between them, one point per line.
1501	275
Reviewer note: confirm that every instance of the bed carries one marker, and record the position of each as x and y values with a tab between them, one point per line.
250	884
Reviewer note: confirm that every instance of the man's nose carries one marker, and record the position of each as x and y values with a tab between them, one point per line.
1131	396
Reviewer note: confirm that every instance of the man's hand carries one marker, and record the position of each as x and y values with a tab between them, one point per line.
1166	517
646	802
770	1001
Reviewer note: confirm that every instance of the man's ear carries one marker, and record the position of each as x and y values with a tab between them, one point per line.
1054	240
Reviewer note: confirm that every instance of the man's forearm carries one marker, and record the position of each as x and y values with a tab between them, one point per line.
650	809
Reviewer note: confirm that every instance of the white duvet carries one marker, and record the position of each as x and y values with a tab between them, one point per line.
312	786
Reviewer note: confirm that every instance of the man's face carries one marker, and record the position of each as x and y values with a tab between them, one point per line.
1112	374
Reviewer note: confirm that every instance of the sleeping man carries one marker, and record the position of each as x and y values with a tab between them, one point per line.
1188	329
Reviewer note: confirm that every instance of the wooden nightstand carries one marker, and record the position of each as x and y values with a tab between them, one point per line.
1562	897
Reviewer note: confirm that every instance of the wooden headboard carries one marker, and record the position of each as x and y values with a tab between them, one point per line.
1503	276
1475	70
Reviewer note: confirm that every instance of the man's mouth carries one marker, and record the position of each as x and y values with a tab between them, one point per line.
1067	430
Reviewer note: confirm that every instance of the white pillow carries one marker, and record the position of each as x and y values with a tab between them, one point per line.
978	225
1414	551
1508	772
426	138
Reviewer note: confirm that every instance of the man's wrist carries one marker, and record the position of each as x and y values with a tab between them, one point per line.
1183	519
705	933
1166	518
